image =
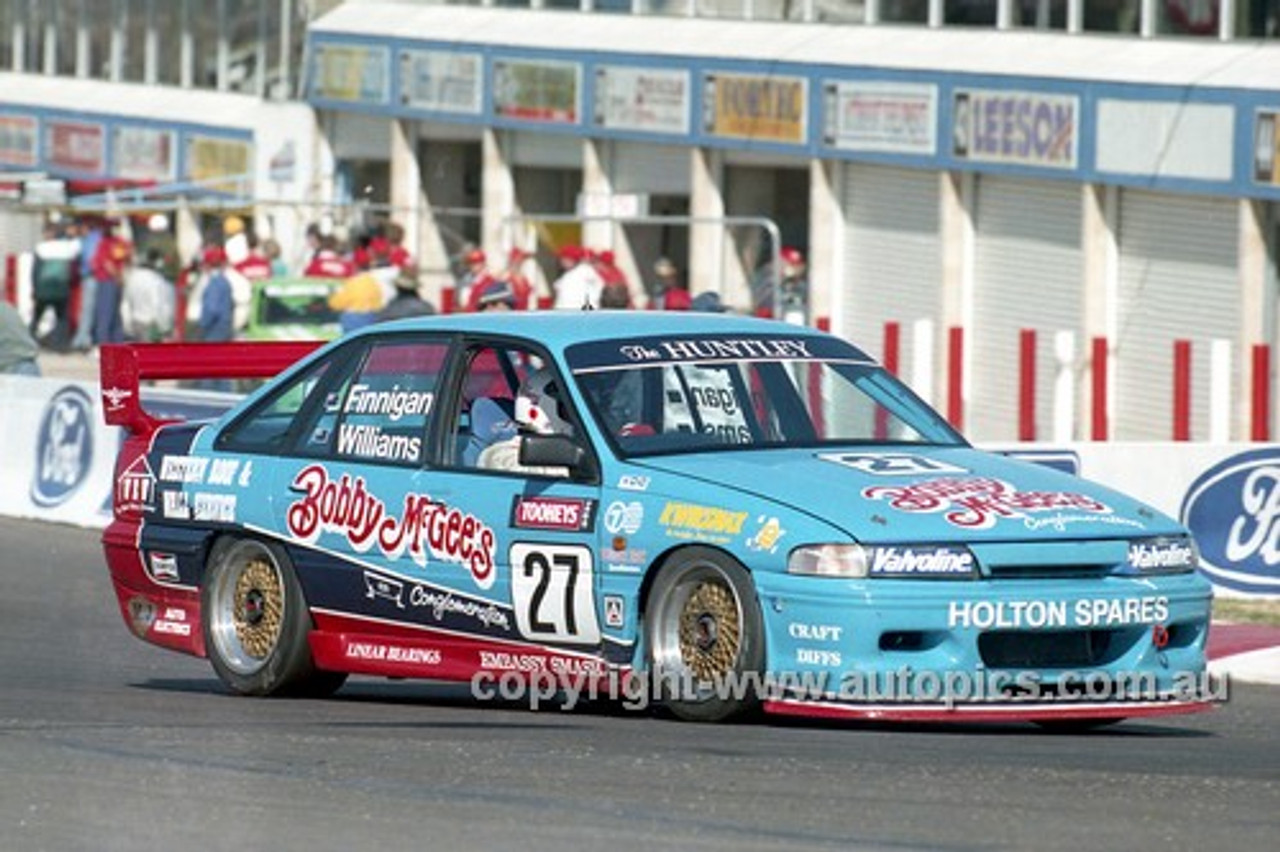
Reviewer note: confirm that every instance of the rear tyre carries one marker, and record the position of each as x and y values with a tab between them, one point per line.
256	623
705	636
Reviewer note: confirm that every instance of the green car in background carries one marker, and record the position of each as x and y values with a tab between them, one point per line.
293	309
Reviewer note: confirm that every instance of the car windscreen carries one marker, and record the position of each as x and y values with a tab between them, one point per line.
308	304
716	392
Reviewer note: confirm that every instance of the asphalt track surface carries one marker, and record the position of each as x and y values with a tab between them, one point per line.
107	743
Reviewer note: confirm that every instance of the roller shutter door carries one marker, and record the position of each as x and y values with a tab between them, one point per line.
1028	274
893	255
1178	279
652	169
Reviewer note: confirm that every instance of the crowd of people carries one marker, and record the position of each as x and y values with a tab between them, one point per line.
97	280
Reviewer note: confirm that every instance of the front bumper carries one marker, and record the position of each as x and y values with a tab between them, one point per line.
988	649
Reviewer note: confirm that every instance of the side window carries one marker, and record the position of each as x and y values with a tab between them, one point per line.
381	411
265	429
486	412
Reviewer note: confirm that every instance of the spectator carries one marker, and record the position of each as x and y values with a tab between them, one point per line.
397	254
579	285
357	301
671	292
89	240
792	295
407	302
217	309
162	242
55	259
255	266
108	266
514	275
498	296
476	280
148	300
18	348
235	240
271	251
327	262
616	292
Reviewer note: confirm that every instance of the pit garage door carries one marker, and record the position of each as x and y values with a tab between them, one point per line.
893	257
1178	280
1028	275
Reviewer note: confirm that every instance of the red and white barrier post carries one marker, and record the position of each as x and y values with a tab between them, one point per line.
11	279
890	356
955	376
1098	426
1260	404
1182	390
1027	385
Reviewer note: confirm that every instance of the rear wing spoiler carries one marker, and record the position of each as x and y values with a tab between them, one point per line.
123	367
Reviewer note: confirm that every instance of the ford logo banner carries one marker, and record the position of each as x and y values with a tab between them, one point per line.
64	447
1233	509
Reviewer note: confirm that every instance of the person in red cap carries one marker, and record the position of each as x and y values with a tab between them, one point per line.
514	275
217	308
397	255
616	292
579	285
792	293
327	262
477	279
108	265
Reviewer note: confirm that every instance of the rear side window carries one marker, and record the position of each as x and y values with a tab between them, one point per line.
380	413
266	429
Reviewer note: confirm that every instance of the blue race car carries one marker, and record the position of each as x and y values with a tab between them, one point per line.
715	512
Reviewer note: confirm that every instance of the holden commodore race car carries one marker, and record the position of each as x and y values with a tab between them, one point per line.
728	512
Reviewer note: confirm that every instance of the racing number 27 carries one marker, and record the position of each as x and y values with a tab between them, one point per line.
553	593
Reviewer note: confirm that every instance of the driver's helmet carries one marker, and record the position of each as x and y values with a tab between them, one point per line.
538	406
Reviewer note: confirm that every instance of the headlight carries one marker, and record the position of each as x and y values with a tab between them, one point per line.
908	562
1170	554
829	560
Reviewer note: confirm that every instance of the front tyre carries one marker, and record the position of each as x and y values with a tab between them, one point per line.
256	623
705	636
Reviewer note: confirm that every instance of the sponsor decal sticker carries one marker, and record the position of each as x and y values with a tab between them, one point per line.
979	502
920	562
701	523
560	514
136	487
1037	614
1233	509
623	518
176	506
615	612
113	398
731	349
384	587
173	622
423	528
891	464
1156	556
767	537
64	447
186	469
220	508
815	632
633	482
163	567
390	652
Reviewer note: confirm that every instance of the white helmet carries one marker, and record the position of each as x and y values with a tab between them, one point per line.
538	405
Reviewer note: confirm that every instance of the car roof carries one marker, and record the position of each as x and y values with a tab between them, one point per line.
562	328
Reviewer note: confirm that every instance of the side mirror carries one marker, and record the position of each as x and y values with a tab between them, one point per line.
556	451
